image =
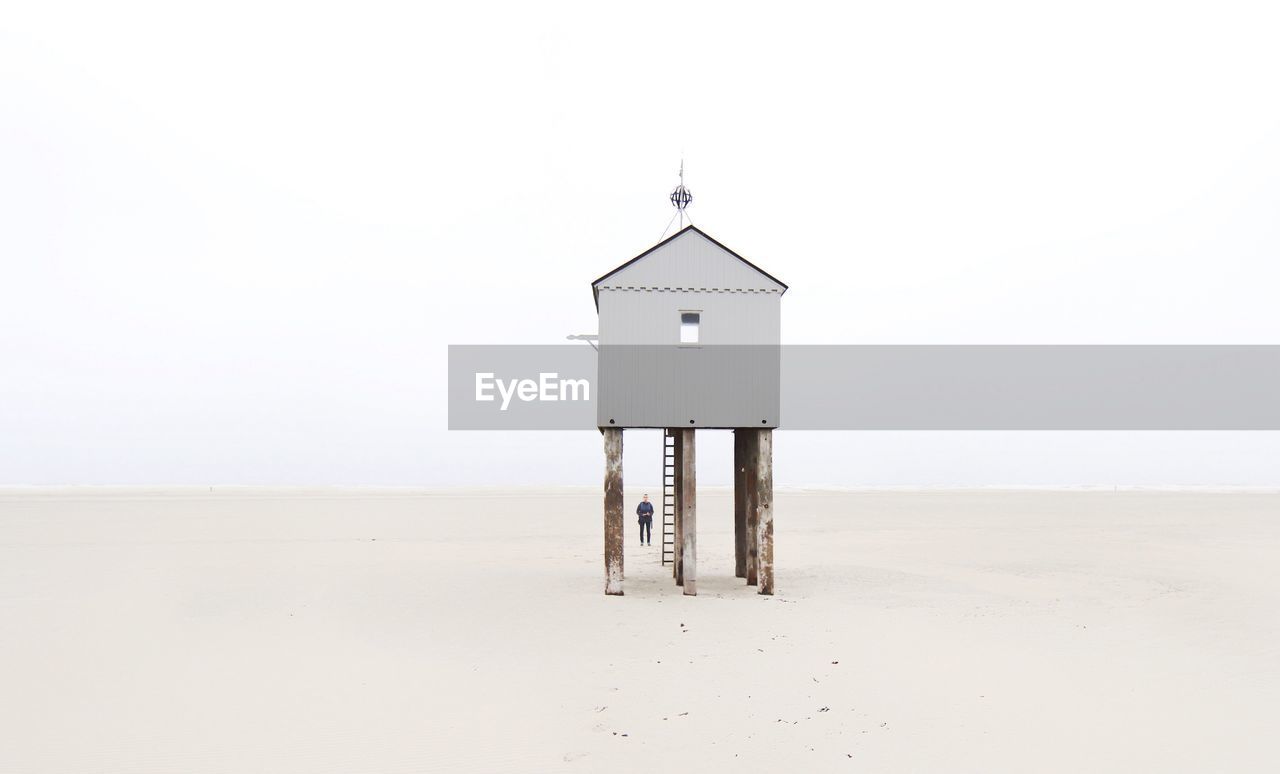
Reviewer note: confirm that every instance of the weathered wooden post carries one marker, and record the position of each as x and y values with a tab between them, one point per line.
764	509
677	550
688	513
613	507
739	503
750	478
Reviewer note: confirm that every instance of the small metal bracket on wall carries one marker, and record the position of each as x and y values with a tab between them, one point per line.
590	338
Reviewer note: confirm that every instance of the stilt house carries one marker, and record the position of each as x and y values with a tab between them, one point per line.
689	335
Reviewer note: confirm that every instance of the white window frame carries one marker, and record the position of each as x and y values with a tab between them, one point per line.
696	328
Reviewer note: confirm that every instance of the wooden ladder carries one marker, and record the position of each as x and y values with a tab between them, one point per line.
668	496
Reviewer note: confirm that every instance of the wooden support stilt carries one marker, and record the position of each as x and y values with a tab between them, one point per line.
677	565
688	512
764	509
613	507
751	476
739	503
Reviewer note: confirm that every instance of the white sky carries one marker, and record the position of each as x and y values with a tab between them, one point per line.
236	241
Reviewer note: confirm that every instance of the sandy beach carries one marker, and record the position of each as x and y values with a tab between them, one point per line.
330	630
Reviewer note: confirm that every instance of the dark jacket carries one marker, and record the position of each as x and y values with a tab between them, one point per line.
644	511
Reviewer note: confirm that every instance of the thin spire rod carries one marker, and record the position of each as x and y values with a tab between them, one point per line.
680	198
682	186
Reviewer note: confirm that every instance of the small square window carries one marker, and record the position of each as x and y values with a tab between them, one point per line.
689	327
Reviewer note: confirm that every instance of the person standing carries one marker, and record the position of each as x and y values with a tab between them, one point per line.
645	511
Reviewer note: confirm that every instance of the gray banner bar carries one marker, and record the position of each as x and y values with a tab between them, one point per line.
908	387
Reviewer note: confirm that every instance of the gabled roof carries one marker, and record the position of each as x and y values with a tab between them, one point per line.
595	286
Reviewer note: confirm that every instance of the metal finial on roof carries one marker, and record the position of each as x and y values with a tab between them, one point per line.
680	199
